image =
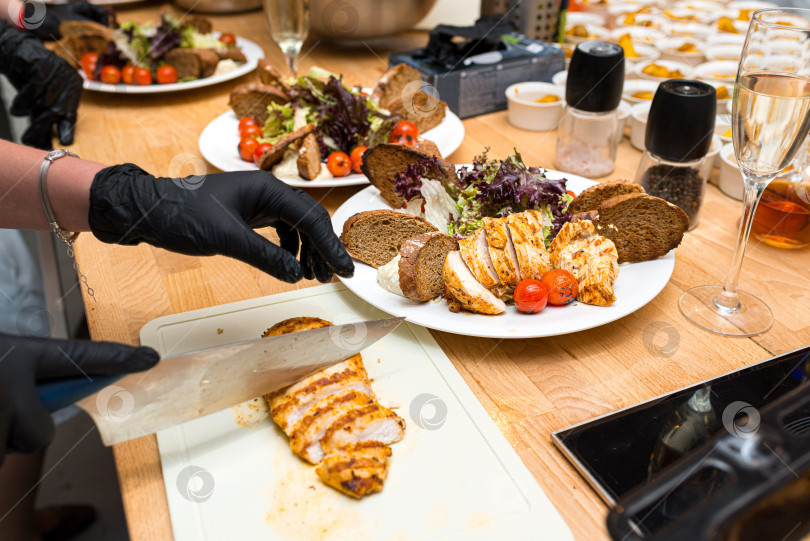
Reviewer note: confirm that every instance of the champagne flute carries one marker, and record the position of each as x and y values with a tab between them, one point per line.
770	120
289	25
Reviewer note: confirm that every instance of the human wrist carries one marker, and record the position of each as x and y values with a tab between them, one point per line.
116	204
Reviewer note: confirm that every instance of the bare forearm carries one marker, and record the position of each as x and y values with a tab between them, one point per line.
68	185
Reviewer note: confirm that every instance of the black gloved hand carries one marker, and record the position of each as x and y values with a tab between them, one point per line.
54	15
216	214
48	88
25	424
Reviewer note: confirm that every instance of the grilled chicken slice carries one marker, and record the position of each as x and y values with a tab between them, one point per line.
305	437
296	324
371	422
594	262
462	285
357	469
526	234
501	251
569	233
475	252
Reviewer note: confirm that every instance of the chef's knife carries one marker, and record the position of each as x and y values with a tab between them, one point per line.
191	385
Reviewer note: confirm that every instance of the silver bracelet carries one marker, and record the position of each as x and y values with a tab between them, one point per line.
66	237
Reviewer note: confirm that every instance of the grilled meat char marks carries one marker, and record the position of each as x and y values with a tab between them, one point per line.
356	469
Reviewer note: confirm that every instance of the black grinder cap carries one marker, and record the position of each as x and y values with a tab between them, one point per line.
680	125
595	77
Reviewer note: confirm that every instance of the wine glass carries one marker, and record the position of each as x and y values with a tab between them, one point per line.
770	120
289	25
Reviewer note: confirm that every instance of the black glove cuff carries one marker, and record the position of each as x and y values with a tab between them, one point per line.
114	207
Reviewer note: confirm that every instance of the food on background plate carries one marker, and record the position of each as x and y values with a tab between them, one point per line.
254	99
375	236
643	94
657	70
333	420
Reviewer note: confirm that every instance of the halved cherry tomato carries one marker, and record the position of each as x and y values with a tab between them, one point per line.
126	74
142	76
89	62
356	158
110	75
228	39
531	296
562	286
339	164
572	194
247	146
166	75
403	139
404	127
247	121
251	131
260	150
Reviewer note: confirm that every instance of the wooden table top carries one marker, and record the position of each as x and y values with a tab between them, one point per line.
529	387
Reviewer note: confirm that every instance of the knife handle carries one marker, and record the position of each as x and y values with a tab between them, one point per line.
58	394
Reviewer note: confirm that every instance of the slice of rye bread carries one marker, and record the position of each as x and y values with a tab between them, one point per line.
271	76
591	198
309	157
252	99
420	108
74	46
641	226
201	24
276	153
382	163
375	236
70	28
230	53
393	82
420	267
196	63
426	146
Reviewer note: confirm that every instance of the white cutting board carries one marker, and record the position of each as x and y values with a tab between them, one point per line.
231	475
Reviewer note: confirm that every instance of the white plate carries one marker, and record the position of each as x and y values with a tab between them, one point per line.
253	52
637	284
219	142
453	476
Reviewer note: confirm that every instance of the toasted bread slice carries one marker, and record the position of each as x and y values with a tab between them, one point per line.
276	153
197	63
201	24
382	163
252	99
309	157
641	226
230	53
426	146
73	47
591	198
420	267
269	75
422	109
393	82
85	28
375	236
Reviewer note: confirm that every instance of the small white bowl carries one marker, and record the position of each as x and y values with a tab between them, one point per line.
583	17
685	69
690	30
638	124
754	5
669	50
523	112
714	152
645	52
730	180
721	127
703	6
724	38
721	102
722	70
680	15
715	53
741	27
599	33
624	115
638	34
638	85
560	78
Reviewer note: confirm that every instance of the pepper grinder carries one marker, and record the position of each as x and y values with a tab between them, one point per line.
679	133
589	134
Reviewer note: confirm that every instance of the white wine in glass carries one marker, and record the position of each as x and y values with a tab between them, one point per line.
770	121
289	25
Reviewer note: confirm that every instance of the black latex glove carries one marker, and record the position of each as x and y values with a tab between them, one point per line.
48	27
216	214
48	88
25	424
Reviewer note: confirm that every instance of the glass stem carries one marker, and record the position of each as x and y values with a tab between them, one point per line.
754	186
292	62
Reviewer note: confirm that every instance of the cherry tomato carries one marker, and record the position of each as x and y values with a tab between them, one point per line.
89	62
357	158
245	122
572	194
228	39
531	296
260	150
110	75
404	127
404	139
166	75
251	131
247	146
562	286
142	76
126	73
339	164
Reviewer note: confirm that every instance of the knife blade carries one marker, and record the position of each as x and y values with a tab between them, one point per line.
198	383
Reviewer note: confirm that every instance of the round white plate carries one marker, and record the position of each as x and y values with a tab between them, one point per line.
219	143
252	51
636	285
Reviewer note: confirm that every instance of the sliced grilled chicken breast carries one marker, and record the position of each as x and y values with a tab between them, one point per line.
357	469
594	262
569	233
462	285
475	252
501	251
305	437
371	422
526	234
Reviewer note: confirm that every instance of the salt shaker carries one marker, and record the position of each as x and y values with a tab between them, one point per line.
589	134
679	133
